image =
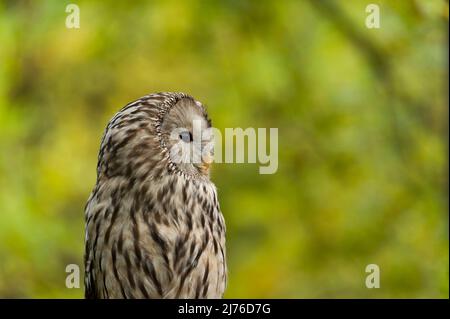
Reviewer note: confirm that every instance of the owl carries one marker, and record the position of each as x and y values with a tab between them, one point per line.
153	223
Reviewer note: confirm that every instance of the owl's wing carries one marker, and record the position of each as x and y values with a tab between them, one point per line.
145	247
90	290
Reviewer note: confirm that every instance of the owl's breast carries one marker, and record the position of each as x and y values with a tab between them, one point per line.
188	230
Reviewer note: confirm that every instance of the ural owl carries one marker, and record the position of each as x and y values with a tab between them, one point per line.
154	228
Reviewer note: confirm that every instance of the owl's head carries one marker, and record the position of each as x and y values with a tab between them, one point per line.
156	135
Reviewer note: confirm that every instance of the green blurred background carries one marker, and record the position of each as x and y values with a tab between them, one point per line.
363	135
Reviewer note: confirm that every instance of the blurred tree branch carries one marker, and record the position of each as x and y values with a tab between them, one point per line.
379	62
374	55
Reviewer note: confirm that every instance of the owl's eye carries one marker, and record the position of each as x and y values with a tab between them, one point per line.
185	136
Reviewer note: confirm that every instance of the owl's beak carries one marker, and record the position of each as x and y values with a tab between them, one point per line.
204	168
206	163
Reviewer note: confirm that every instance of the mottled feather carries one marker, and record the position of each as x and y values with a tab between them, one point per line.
154	228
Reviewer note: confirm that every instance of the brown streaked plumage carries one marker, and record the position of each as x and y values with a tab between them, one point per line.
153	226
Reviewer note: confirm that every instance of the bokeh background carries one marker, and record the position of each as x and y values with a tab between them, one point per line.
363	135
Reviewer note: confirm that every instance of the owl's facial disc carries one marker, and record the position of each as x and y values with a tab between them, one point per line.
187	135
